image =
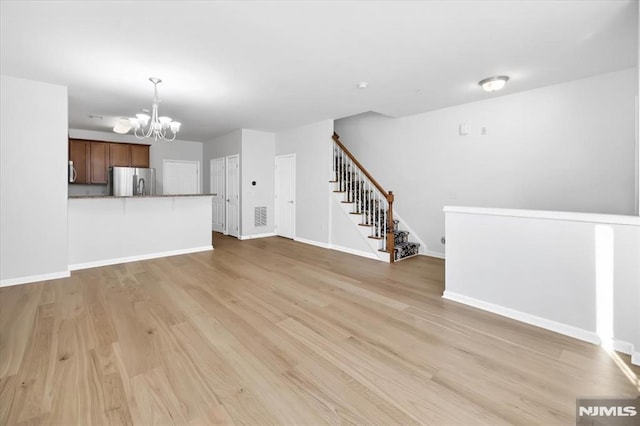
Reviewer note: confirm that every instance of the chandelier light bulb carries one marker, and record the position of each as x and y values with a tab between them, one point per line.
175	126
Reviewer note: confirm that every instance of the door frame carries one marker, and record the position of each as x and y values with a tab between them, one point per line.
226	190
164	175
275	191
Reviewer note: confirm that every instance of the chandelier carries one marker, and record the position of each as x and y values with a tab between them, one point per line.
158	127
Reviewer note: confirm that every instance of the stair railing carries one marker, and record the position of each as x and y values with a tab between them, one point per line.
369	198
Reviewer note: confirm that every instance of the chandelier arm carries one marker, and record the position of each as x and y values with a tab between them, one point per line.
135	132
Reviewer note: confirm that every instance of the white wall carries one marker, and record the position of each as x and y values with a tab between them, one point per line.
550	269
344	235
638	125
158	152
258	165
33	181
222	146
312	146
564	147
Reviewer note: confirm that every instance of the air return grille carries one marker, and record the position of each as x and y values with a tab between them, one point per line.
260	216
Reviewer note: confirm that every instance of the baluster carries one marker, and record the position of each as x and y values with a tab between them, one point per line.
349	184
338	167
353	182
346	177
370	207
373	212
378	215
384	227
341	170
358	191
366	201
336	154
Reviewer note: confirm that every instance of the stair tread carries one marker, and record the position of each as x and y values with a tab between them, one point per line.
364	224
355	212
347	202
375	238
339	191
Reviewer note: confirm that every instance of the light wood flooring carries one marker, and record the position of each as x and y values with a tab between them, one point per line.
270	331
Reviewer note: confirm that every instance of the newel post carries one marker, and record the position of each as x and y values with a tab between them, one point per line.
390	235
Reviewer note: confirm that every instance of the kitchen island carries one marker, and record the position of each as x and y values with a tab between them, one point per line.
105	230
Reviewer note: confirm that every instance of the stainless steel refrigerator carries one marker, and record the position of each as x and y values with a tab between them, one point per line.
130	181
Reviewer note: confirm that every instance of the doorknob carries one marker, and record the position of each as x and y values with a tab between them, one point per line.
291	202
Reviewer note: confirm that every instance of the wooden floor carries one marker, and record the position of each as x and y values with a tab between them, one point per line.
270	331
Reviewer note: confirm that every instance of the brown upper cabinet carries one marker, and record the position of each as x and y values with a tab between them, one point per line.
140	156
79	153
119	155
92	159
99	162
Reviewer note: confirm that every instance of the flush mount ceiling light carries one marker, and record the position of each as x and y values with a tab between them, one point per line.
492	84
363	85
122	126
145	126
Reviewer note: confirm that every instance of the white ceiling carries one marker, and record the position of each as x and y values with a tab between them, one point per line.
276	65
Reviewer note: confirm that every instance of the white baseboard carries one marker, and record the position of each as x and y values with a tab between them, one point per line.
626	348
355	252
621	346
432	254
252	236
311	242
34	278
338	248
127	259
565	329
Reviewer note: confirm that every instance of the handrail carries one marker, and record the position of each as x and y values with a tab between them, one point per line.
390	237
336	139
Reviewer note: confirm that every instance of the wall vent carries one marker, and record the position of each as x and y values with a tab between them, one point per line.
260	216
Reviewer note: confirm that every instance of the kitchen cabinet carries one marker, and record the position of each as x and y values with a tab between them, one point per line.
92	159
99	162
128	155
79	153
140	156
119	155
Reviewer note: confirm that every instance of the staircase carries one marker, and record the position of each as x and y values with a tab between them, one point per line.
369	205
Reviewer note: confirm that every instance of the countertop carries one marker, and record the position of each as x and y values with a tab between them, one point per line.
75	197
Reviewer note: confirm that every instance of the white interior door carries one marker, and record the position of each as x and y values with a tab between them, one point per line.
180	177
286	195
218	190
233	195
